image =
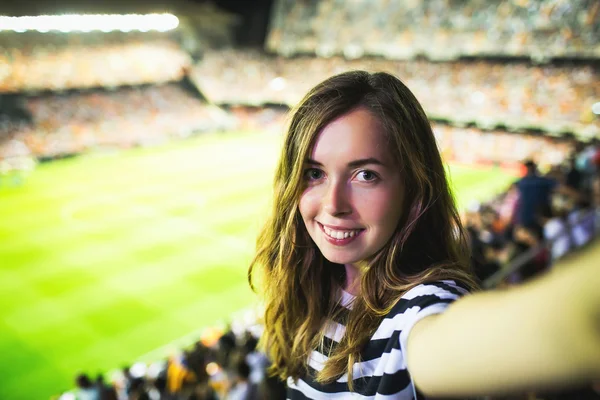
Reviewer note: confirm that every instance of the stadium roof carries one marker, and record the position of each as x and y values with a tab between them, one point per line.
201	18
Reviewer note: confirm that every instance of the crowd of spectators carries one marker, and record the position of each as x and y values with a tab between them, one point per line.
222	364
544	216
552	98
58	61
260	119
470	145
78	121
440	29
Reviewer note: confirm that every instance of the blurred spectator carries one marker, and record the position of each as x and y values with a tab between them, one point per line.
137	390
241	387
482	253
534	195
587	163
556	232
86	390
225	348
257	360
196	360
529	240
159	389
581	223
105	391
507	211
203	392
123	384
178	375
271	388
574	177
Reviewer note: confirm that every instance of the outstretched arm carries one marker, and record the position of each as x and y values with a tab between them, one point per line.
541	335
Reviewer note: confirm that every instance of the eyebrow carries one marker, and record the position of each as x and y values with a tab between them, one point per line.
352	164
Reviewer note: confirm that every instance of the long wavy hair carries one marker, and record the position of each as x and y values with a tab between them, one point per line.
300	288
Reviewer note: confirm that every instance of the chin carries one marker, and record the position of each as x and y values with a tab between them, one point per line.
340	258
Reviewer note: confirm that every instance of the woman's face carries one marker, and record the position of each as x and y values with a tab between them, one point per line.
352	200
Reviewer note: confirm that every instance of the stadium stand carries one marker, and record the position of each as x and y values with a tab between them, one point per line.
33	61
116	85
438	29
78	121
553	98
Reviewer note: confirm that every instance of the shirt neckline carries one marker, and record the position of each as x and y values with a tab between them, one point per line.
347	299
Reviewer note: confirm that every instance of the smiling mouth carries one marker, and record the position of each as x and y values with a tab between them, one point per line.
340	236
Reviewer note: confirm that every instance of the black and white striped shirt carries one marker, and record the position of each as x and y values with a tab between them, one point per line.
381	373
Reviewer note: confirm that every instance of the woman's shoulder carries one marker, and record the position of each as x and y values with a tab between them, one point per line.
438	293
438	287
413	305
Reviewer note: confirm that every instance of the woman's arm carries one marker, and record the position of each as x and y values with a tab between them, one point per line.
541	335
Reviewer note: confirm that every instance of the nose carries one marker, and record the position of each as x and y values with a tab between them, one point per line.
337	200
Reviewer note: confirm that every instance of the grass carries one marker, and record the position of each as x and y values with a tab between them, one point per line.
107	257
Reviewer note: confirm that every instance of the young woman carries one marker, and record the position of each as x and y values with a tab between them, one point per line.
364	257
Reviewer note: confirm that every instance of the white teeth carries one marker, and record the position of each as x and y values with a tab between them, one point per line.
340	234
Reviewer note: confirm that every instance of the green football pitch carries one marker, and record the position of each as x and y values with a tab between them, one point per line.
109	257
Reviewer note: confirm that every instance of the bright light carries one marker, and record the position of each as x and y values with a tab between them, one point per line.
277	84
596	108
91	22
477	97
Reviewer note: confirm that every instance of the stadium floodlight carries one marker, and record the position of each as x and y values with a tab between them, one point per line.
43	24
90	22
596	108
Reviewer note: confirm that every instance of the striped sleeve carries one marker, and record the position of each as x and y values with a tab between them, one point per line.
422	301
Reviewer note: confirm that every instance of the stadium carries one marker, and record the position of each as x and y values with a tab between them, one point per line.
138	142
